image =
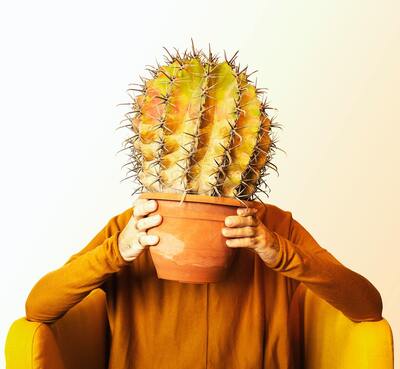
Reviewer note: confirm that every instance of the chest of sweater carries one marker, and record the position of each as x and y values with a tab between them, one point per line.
162	324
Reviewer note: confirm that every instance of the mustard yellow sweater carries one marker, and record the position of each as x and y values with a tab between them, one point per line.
239	323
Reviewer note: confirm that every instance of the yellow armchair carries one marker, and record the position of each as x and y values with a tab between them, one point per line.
323	338
77	340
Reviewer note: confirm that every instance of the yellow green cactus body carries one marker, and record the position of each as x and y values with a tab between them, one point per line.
215	128
201	128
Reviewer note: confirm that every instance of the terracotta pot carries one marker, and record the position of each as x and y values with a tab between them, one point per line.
192	248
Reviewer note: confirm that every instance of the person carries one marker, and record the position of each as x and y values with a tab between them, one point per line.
238	323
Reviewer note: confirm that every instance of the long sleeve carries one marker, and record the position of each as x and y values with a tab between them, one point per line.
301	258
57	291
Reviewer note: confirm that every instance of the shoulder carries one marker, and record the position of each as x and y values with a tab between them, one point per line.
123	217
119	221
277	218
276	211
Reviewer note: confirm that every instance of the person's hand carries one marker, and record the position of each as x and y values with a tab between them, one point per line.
133	238
247	230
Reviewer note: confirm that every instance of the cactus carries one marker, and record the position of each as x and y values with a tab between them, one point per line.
199	127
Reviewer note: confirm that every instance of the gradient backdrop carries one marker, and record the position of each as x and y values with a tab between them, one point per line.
332	69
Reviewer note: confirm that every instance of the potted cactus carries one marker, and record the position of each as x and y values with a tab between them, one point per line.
201	144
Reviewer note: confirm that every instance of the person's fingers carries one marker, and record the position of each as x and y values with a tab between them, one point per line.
247	231
134	239
143	240
242	221
144	224
250	242
246	211
138	202
148	239
145	207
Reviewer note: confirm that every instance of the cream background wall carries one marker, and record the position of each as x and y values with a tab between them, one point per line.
331	69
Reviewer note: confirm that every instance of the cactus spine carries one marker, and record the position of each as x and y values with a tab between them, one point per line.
199	127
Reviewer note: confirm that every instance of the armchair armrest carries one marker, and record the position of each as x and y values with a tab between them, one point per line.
324	338
77	340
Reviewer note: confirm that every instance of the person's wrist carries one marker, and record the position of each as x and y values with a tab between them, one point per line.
122	246
269	251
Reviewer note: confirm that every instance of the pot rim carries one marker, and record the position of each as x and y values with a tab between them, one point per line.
229	201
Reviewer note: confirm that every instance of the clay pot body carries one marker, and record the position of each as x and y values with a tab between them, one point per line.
192	248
